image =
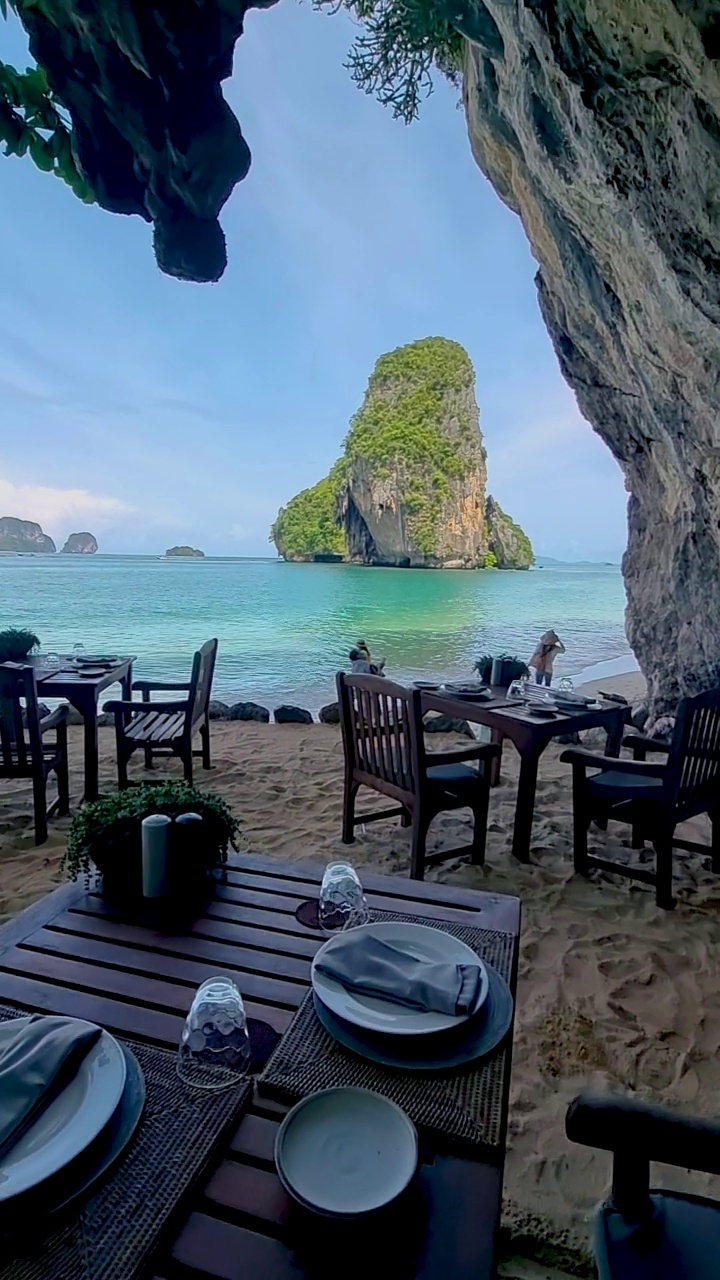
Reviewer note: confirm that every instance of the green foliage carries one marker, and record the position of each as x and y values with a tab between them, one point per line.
34	122
308	525
16	643
518	669
490	560
524	543
401	41
402	429
104	831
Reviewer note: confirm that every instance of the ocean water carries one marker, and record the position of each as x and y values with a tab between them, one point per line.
285	629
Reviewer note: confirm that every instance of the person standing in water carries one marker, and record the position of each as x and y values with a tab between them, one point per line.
548	647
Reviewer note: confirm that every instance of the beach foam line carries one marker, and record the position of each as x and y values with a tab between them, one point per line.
623	666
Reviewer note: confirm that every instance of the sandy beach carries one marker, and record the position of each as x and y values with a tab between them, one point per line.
613	991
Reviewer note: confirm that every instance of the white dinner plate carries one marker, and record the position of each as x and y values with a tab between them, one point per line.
346	1151
70	1123
373	1014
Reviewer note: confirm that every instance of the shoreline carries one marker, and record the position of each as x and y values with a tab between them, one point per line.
612	673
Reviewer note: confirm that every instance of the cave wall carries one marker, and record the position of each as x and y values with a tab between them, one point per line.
598	122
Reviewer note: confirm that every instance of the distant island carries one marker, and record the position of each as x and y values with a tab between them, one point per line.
80	544
188	553
409	489
24	536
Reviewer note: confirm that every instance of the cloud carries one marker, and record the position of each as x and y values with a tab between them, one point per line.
238	532
57	508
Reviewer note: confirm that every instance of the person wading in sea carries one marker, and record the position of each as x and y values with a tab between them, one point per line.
548	647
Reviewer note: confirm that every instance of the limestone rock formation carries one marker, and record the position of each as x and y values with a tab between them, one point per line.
507	542
24	536
80	544
409	489
600	126
414	491
152	133
183	552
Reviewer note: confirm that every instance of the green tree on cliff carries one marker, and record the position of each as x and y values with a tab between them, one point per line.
308	525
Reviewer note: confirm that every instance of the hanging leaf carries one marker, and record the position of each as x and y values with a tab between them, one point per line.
42	153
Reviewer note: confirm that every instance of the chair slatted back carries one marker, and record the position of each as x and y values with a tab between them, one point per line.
203	669
693	772
20	743
382	731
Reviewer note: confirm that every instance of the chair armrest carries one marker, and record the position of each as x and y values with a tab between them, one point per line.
577	757
148	685
56	718
629	1127
484	751
142	708
638	742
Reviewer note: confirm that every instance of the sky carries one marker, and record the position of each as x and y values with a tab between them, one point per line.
153	411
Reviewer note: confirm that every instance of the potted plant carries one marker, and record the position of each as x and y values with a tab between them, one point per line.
511	669
106	835
16	644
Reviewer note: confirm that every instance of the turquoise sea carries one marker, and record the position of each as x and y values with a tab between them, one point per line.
285	629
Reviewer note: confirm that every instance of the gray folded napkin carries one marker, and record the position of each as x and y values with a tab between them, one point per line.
363	964
38	1057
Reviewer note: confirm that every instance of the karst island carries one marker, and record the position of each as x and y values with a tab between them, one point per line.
409	489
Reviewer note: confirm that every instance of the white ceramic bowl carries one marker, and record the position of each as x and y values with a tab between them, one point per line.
345	1152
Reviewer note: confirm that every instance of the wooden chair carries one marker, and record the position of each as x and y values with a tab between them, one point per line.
167	728
23	753
654	796
384	747
644	1234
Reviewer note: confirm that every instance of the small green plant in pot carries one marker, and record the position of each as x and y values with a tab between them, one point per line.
512	668
16	644
106	835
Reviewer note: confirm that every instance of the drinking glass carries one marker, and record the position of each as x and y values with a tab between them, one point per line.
51	660
517	691
78	650
214	1047
565	685
342	901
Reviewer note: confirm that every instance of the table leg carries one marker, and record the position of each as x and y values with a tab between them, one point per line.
615	735
522	832
126	686
92	763
496	737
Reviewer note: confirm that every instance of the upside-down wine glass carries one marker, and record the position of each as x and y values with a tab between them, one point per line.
517	691
342	902
214	1047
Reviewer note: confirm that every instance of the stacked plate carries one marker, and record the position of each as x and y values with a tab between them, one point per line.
350	1152
78	1134
407	1038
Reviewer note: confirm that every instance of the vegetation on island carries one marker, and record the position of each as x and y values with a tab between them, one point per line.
409	487
402	431
308	528
189	553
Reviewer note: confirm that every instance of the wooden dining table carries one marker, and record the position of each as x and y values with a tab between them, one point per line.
530	736
71	954
83	693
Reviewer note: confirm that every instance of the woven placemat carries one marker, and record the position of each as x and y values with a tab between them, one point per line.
114	1234
465	1106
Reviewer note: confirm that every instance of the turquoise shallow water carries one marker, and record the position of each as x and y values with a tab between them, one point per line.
285	629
